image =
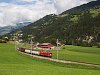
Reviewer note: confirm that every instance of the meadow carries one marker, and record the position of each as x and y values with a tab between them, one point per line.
79	54
14	63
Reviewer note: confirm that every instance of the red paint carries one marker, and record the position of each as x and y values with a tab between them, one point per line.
46	54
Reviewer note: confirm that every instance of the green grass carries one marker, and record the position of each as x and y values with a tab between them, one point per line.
75	19
95	12
80	54
14	63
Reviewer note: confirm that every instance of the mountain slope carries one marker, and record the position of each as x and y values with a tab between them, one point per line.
83	7
77	28
8	29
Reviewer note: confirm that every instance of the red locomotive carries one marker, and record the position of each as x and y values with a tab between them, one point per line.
46	54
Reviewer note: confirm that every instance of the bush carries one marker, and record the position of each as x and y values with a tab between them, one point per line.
2	41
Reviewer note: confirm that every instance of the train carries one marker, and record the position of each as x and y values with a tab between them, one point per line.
36	52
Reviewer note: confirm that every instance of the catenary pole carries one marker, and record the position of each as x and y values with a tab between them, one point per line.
57	49
31	45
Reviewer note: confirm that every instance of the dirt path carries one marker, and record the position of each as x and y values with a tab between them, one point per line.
62	61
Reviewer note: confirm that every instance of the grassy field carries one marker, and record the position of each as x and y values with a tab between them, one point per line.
80	54
14	63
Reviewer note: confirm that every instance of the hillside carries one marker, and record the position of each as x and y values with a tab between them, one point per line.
8	29
83	7
79	27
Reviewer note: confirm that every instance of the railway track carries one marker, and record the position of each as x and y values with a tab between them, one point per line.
62	61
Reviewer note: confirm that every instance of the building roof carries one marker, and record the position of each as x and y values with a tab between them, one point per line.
45	43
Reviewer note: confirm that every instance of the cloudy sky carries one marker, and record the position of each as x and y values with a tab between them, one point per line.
14	11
